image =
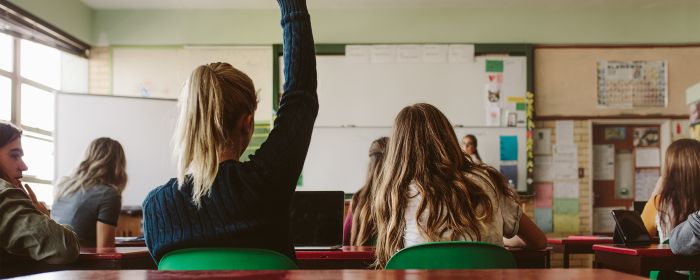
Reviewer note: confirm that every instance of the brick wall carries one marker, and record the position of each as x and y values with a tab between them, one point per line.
100	71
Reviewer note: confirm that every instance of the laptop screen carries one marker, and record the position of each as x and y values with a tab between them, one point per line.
317	218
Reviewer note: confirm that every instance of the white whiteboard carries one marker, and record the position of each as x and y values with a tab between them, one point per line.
338	157
161	72
371	94
144	127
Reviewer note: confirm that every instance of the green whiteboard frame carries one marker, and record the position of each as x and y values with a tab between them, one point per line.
526	50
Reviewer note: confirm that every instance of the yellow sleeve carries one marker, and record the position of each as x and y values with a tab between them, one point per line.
649	215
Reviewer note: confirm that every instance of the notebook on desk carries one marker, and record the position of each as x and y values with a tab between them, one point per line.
317	220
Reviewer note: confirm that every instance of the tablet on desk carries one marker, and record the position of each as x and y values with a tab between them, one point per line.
317	220
629	228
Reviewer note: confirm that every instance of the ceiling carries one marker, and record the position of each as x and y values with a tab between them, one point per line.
384	4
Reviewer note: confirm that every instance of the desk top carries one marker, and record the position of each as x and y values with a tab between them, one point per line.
115	253
580	240
341	274
345	252
654	250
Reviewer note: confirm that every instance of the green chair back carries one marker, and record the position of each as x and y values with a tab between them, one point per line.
452	255
225	259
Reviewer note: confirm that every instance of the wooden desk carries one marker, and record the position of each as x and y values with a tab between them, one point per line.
90	258
576	245
642	259
523	274
354	257
129	242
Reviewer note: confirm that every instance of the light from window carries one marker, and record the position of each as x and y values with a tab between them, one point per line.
38	155
74	73
6	46
37	108
5	98
41	64
44	192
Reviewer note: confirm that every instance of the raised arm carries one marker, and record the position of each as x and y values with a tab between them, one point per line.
280	159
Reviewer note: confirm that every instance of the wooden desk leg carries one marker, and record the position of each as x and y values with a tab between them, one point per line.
566	257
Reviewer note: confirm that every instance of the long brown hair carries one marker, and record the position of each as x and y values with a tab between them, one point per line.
104	164
680	189
8	133
363	227
423	150
216	97
476	145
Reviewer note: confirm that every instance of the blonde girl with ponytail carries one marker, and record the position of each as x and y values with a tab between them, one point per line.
215	199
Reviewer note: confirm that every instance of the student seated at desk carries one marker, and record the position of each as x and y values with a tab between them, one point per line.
471	147
430	191
216	200
25	226
685	238
678	193
89	200
359	229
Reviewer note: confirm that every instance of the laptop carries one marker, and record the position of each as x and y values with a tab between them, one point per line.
317	220
630	229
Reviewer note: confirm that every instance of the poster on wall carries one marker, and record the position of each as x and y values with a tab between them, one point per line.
646	136
629	84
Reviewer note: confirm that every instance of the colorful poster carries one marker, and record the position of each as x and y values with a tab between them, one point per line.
509	147
629	84
646	136
511	174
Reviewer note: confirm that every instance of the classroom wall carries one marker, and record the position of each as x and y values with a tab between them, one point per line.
567	76
673	23
72	16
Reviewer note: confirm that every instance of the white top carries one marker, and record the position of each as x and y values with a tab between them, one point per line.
504	222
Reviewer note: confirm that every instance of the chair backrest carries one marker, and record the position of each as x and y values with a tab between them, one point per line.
225	259
452	255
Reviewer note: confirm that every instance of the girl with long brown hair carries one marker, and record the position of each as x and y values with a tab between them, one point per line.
25	227
359	229
429	191
678	191
89	200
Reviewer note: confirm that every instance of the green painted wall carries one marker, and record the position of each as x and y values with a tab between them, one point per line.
71	16
676	24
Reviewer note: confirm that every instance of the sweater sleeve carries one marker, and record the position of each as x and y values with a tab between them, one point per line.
649	215
685	238
280	159
25	231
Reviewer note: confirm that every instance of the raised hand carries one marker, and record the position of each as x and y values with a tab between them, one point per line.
37	204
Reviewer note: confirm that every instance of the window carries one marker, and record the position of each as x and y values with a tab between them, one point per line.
43	72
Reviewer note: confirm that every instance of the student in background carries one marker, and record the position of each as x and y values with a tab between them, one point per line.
237	204
359	229
678	194
89	200
685	238
429	191
470	147
25	226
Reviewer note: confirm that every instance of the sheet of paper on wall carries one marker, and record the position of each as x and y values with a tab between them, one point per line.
544	194
566	163
564	132
647	157
510	171
383	53
543	219
624	175
604	162
566	223
544	169
358	54
628	84
566	149
644	182
509	147
409	54
460	53
603	221
542	141
566	189
435	53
